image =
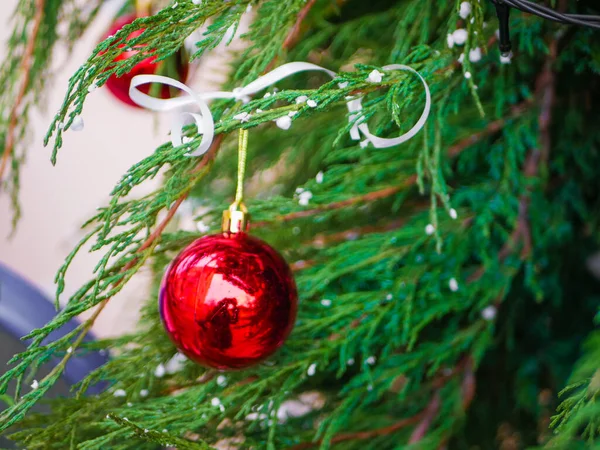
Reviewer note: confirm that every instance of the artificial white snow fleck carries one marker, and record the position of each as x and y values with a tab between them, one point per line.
267	95
370	360
475	54
312	369
292	113
364	144
120	393
467	75
389	297
370	387
460	36
242	117
301	99
375	77
311	103
473	21
186	139
146	429
505	59
160	371
453	213
489	312
92	87
326	302
284	122
165	430
125	419
144	393
258	111
175	5
350	362
299	190
465	10
70	350
202	227
319	177
77	124
215	401
35	384
429	229
453	284
129	404
461	58
343	84
305	196
222	380
450	40
60	125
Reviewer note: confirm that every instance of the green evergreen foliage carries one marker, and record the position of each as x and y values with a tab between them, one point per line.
462	338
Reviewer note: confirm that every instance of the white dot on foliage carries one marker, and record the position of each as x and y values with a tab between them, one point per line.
343	85
292	113
304	198
505	59
120	393
197	2
222	380
301	99
375	76
319	177
311	103
35	384
326	302
371	360
242	117
475	54
460	36
465	10
468	75
176	363
429	229
489	313
146	430
92	87
70	350
450	40
312	369
160	371
453	213
461	58
77	124
267	95
284	122
350	362
364	144
453	284
144	393
215	401
389	297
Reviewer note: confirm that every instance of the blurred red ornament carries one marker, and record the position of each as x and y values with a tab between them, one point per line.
176	67
228	300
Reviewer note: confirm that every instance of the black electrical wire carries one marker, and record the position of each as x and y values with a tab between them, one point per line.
551	14
503	11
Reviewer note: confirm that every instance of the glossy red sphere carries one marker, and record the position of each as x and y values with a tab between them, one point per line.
119	86
228	301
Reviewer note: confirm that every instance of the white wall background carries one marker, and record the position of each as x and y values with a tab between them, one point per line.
57	200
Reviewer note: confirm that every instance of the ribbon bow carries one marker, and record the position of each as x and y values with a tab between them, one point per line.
204	119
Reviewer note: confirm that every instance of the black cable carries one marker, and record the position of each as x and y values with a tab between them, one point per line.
550	14
503	10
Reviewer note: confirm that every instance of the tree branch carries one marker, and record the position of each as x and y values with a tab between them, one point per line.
26	63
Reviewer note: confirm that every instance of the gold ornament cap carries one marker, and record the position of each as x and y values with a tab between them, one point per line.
236	219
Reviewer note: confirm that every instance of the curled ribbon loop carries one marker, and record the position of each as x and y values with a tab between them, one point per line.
205	123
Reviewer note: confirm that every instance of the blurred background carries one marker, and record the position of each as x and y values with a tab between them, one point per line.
57	200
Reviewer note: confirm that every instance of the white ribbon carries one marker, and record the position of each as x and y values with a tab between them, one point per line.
205	123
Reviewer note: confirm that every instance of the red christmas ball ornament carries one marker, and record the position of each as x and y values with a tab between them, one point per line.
176	67
228	300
